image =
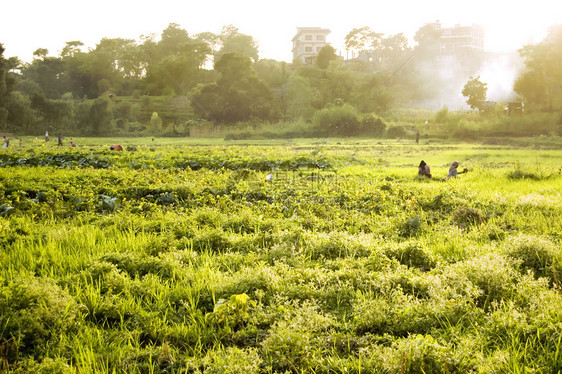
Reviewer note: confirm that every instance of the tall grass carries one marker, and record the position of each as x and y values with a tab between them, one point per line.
147	266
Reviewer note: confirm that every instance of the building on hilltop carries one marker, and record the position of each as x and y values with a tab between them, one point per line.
460	44
460	38
307	43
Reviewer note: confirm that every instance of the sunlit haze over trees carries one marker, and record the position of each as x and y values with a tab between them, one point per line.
204	81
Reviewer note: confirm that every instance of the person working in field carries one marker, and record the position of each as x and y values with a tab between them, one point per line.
116	147
453	172
423	170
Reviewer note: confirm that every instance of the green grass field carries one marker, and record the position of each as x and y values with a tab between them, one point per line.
190	256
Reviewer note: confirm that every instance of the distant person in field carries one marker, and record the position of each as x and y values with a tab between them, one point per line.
116	147
6	142
60	140
46	136
453	172
423	170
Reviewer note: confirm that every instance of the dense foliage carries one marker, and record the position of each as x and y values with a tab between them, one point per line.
164	86
540	83
298	258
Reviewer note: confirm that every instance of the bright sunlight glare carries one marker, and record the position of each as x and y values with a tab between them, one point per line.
508	25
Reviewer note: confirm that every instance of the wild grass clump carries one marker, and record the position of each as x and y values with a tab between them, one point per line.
536	254
536	173
140	264
333	245
494	276
232	360
467	217
412	254
34	314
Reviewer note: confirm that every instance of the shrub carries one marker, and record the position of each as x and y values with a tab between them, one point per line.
396	132
372	125
232	312
528	125
337	121
442	115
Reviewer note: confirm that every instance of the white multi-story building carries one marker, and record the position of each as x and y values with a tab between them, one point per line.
308	42
459	41
461	48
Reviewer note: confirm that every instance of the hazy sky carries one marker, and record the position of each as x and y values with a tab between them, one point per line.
26	25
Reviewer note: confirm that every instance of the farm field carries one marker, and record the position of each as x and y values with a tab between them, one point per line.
323	257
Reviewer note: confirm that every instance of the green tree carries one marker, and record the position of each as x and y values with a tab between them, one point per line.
172	40
103	85
49	73
238	95
338	85
21	117
299	98
363	38
175	62
7	79
155	124
100	116
475	92
212	40
235	42
369	95
274	73
540	84
41	52
121	62
175	74
15	108
3	119
71	48
428	42
394	51
4	84
52	113
325	55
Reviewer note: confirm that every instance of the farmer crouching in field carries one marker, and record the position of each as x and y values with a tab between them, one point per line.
116	147
423	170
453	172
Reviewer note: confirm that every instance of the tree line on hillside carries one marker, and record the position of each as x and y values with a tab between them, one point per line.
165	86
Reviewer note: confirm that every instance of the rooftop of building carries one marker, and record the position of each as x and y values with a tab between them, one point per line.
301	30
